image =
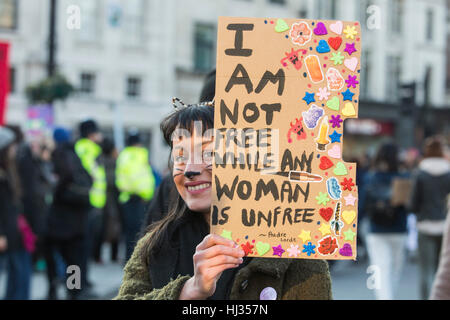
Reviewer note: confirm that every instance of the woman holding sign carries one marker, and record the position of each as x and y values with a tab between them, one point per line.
179	259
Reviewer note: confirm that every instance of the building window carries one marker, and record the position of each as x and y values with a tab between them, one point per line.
87	83
134	87
133	23
396	14
429	24
277	1
8	14
89	30
393	80
12	80
204	47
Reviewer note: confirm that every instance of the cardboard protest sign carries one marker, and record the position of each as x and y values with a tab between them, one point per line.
283	89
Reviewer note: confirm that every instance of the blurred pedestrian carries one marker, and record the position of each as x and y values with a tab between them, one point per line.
15	234
387	223
136	183
67	222
111	222
441	284
428	201
89	151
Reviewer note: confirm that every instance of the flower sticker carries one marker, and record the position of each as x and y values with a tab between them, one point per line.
300	33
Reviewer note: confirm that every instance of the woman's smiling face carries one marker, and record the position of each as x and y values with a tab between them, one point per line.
192	165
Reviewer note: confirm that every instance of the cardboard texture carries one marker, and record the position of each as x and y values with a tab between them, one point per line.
283	89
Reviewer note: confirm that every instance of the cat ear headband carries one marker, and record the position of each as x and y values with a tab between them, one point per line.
178	104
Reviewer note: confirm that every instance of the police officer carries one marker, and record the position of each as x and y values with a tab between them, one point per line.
136	183
88	150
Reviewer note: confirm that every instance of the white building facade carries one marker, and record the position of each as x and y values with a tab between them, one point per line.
128	58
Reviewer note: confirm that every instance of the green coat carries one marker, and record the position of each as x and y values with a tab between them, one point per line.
293	279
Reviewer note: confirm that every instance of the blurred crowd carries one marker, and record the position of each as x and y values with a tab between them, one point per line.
60	204
61	201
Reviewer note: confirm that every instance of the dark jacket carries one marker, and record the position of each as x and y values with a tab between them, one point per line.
8	215
292	279
431	185
33	186
368	196
68	213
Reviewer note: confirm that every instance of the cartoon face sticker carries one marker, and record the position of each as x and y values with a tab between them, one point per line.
334	80
293	57
300	33
297	129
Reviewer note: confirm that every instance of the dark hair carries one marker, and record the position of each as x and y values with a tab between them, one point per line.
107	146
387	157
184	119
209	88
433	147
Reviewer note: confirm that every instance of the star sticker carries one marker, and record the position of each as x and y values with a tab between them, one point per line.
293	251
347	184
309	97
351	81
322	198
309	248
337	58
247	248
350	48
350	32
335	137
226	234
349	235
278	250
305	236
325	229
336	121
323	93
347	95
350	200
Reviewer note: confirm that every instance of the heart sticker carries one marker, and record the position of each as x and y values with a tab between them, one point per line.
323	47
346	250
333	103
281	26
348	216
335	152
340	169
320	29
348	110
351	63
262	248
325	163
337	27
326	213
335	42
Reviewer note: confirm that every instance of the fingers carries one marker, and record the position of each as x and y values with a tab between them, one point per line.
213	273
214	239
221	250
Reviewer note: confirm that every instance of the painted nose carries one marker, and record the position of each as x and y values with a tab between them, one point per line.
191	174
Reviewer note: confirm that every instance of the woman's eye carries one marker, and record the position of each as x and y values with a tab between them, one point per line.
180	158
207	155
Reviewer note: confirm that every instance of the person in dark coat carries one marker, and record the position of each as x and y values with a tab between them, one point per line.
67	222
431	185
18	258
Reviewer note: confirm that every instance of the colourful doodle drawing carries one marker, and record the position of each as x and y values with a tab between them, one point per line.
300	33
327	245
315	72
333	188
336	224
312	116
293	57
335	81
297	129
